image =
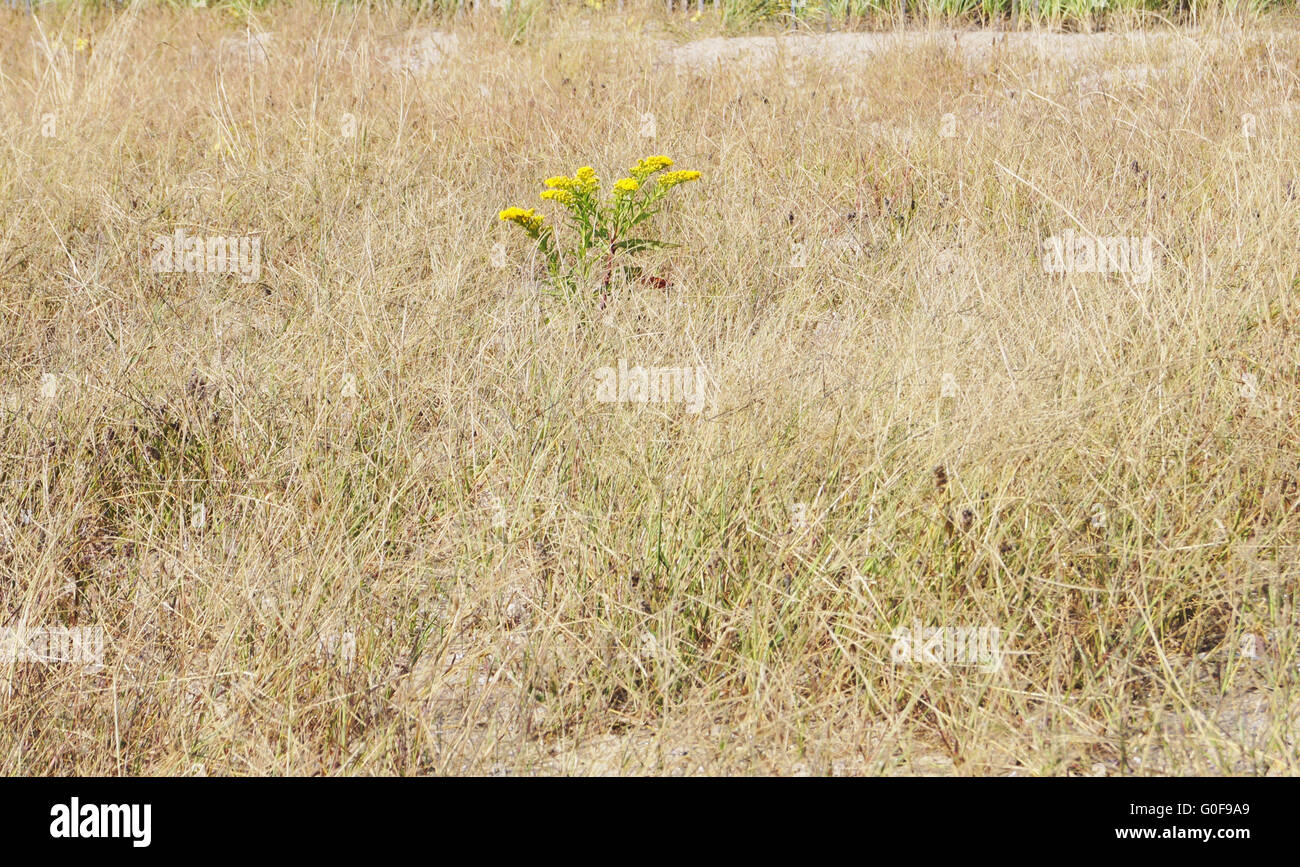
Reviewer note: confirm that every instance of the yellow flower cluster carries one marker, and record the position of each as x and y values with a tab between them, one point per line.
587	180
529	219
564	197
672	179
626	186
648	166
563	189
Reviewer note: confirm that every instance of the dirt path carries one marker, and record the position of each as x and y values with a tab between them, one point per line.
425	50
977	45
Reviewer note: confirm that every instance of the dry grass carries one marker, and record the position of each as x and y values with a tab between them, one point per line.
397	443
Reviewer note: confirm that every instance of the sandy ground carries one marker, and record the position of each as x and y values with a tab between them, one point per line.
424	50
972	45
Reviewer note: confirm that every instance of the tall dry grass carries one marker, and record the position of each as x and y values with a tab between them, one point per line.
366	515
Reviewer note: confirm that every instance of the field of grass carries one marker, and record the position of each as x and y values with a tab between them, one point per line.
360	508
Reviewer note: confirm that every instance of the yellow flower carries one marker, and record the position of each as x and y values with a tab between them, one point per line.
586	179
648	166
672	179
564	197
626	186
528	219
560	182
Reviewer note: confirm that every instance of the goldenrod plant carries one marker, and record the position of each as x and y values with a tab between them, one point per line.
607	231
